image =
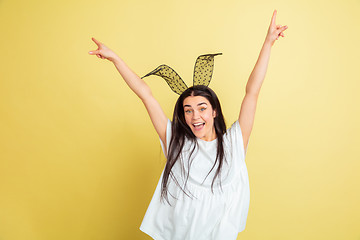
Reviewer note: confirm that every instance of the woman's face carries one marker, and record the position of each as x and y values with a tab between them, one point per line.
199	116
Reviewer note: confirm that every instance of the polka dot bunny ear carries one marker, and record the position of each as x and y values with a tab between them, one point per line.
171	77
203	71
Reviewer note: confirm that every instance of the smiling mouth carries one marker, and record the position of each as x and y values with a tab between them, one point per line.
198	126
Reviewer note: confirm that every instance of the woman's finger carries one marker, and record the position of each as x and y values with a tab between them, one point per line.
94	52
273	19
96	42
280	30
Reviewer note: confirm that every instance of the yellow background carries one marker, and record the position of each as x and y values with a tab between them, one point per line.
79	159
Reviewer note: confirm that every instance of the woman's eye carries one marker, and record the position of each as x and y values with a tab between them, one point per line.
188	111
202	109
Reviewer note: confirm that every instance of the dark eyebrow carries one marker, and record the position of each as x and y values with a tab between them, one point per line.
198	104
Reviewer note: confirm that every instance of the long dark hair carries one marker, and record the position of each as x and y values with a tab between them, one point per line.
181	131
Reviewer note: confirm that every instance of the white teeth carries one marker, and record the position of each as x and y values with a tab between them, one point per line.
197	124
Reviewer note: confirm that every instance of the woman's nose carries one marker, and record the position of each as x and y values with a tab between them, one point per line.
196	115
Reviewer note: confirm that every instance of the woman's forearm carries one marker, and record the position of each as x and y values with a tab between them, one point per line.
257	76
136	84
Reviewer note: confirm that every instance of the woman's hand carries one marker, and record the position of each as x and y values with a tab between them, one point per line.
275	31
103	52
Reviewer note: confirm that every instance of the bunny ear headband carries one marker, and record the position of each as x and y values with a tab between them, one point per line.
203	71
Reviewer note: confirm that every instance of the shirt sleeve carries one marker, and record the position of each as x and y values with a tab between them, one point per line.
236	137
168	137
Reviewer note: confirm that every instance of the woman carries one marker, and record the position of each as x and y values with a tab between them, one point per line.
205	182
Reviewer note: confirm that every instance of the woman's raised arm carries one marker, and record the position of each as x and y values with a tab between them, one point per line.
138	86
248	106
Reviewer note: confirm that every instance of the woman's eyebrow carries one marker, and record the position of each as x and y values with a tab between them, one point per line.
198	104
202	103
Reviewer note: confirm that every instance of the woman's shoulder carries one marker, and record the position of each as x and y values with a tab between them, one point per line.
233	136
234	128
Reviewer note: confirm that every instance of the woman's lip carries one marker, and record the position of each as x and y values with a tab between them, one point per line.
198	127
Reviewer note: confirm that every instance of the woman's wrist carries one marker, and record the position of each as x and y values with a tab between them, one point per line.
268	43
115	59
